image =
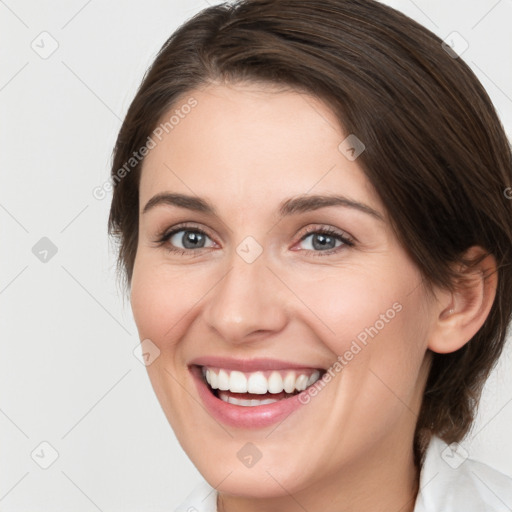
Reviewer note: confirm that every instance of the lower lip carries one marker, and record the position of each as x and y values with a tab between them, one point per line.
239	416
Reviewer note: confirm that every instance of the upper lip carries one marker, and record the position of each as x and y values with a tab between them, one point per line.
248	365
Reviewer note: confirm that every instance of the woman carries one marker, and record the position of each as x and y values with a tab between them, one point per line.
309	200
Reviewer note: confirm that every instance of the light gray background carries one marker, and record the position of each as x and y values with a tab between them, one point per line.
68	375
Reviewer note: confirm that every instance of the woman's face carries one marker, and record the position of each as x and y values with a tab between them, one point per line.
251	289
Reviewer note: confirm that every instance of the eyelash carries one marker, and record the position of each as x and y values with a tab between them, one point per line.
343	238
346	241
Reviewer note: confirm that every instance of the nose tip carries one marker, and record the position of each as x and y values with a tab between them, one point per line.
246	304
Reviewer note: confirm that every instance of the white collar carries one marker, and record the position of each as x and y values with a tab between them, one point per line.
452	481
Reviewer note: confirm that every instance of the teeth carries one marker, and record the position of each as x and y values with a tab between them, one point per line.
237	382
275	383
214	380
259	382
302	382
223	381
314	377
289	382
245	403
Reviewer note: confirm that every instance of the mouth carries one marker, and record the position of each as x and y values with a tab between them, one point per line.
257	388
252	393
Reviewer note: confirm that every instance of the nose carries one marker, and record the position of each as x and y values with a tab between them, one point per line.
247	303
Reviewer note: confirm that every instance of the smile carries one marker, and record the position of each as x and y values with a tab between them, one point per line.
257	388
252	393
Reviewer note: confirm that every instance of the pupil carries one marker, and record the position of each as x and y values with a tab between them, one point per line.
323	242
192	240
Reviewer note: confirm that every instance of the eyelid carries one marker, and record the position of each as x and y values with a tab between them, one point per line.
347	240
165	234
322	228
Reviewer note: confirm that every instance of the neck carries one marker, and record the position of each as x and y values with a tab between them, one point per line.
383	480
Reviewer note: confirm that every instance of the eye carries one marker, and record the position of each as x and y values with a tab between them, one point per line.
318	241
324	240
186	239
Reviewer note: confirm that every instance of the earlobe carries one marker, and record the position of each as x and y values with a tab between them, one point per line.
462	312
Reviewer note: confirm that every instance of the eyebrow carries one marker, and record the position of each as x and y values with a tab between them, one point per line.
291	206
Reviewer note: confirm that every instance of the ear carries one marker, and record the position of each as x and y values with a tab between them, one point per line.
459	314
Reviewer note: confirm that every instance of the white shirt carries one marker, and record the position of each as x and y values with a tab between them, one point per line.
450	481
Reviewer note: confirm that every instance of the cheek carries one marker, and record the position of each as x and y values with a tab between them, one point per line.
161	301
378	337
351	305
375	324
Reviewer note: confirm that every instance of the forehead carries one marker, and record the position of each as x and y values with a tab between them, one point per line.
239	141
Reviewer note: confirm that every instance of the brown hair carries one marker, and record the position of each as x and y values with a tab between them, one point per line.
436	151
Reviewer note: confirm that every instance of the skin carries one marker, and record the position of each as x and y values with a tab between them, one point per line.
246	148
